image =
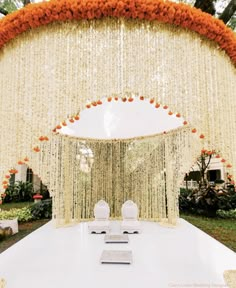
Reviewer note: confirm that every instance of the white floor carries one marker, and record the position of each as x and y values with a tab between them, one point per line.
162	257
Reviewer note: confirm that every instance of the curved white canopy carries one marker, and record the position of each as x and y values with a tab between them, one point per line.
118	120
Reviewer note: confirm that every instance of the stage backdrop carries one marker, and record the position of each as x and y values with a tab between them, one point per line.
67	56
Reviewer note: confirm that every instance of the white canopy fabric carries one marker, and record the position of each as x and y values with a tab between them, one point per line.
121	120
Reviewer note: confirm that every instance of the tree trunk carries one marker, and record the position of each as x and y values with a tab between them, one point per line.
206	6
228	12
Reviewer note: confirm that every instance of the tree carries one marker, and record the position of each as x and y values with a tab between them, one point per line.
228	12
206	6
3	11
203	162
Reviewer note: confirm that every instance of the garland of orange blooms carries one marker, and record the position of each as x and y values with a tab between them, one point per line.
179	14
74	118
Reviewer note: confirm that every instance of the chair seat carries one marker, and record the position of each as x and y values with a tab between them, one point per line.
99	226
130	226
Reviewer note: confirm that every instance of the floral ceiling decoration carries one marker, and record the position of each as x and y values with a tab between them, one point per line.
60	57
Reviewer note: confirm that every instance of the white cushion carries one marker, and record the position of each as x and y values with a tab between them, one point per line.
101	210
129	210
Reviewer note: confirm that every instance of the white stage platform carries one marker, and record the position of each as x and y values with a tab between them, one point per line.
162	257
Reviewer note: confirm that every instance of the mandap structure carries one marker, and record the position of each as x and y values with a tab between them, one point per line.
60	57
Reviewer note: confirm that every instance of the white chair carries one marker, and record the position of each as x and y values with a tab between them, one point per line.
130	223
101	224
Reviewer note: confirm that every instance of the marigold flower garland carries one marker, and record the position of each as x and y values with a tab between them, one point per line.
35	15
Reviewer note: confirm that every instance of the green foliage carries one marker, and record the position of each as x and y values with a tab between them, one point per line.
18	205
23	214
9	5
19	192
42	209
231	214
232	23
206	201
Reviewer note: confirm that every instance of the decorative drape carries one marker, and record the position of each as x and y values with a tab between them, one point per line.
48	75
147	170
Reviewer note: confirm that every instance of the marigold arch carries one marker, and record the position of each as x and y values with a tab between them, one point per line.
62	72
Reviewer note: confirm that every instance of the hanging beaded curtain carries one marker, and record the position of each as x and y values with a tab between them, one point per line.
49	74
147	170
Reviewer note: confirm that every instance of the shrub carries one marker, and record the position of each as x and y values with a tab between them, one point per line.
23	214
206	201
231	214
42	209
19	192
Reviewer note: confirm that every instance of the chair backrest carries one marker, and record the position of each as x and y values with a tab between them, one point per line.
101	210
129	210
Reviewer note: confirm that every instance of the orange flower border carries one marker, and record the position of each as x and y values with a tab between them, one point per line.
179	14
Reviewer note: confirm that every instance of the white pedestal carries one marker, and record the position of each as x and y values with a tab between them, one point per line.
130	226
99	226
10	223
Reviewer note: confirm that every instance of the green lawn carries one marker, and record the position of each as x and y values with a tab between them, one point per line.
223	230
8	206
24	230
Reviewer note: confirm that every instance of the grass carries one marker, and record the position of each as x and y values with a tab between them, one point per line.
8	206
24	230
223	230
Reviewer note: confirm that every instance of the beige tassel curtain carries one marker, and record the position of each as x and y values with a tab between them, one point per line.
51	73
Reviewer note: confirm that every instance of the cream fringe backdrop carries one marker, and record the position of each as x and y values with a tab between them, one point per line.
146	169
51	73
